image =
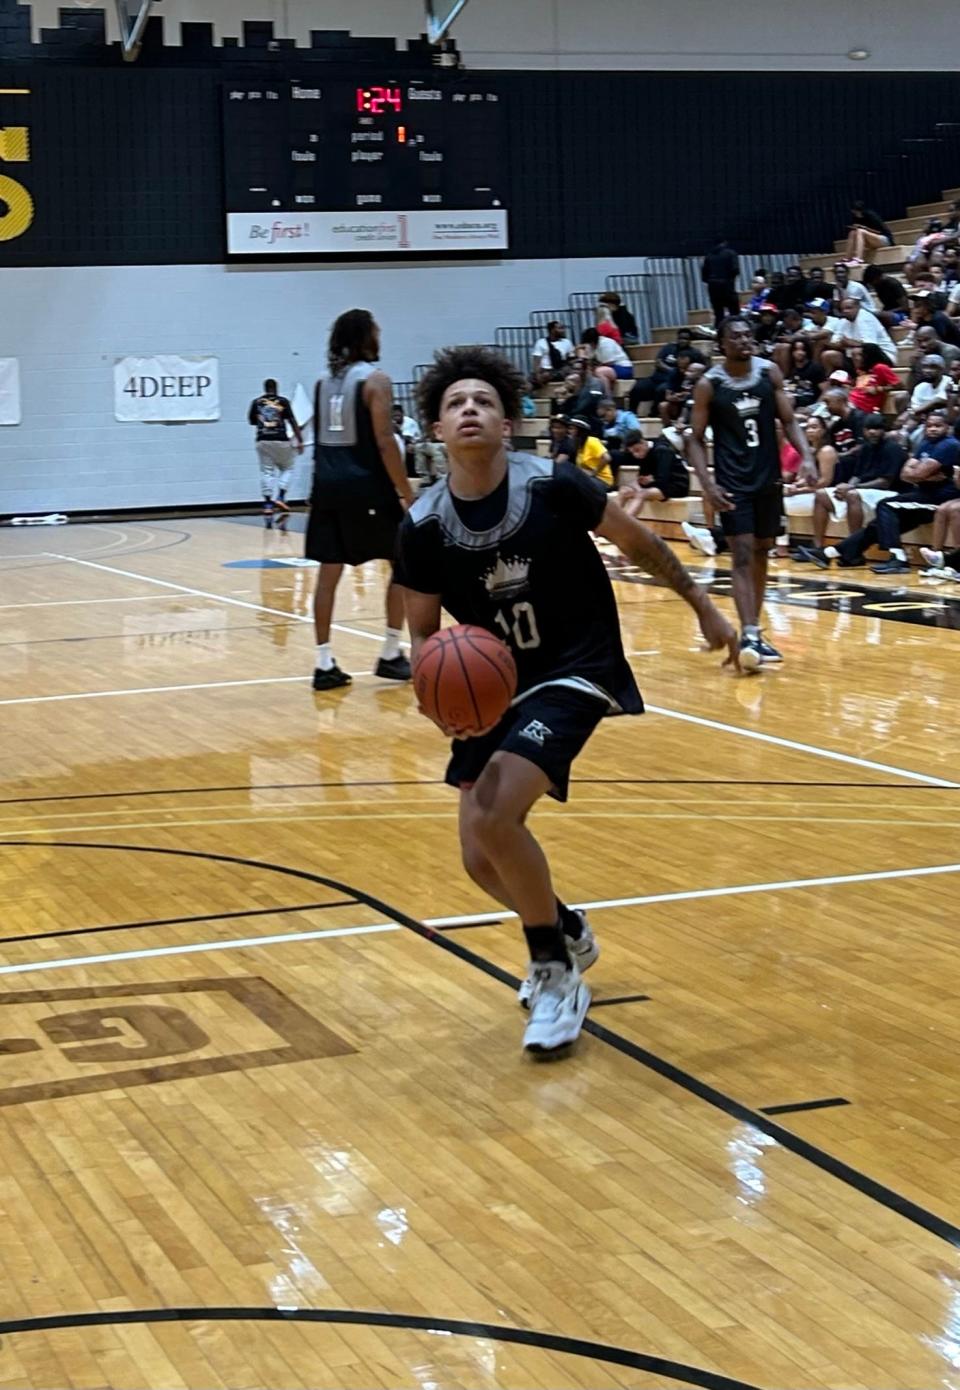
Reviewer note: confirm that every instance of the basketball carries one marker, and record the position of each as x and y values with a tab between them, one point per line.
465	678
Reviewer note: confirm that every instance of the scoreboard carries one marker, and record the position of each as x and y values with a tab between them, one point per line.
366	167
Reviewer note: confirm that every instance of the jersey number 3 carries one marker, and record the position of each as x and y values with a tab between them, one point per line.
753	434
523	631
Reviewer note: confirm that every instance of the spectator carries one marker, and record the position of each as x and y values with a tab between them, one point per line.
551	355
795	292
561	442
844	422
610	363
894	306
845	288
581	396
622	316
860	325
946	532
868	232
407	434
928	344
803	378
759	289
929	394
606	325
869	477
953	301
874	379
821	326
817	285
653	387
766	331
431	459
720	272
661	476
617	424
779	295
590	455
924	312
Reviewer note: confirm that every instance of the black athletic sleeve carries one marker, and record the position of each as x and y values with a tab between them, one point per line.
416	563
252	412
579	498
286	409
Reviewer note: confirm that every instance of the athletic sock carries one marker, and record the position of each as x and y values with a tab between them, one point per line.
831	552
391	644
752	631
897	554
325	661
546	944
570	921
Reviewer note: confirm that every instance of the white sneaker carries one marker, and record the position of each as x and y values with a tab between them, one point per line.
699	537
932	558
583	949
557	1009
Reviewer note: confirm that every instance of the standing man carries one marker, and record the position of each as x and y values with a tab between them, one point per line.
504	542
741	399
271	414
360	487
720	272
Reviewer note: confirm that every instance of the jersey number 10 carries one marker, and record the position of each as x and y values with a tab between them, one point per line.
523	631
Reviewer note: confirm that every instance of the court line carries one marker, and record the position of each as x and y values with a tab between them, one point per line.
178	921
195	948
774	739
75	602
162	689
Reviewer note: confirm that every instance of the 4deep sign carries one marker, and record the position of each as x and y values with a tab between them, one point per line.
166	388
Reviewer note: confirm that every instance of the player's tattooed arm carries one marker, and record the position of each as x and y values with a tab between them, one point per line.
648	552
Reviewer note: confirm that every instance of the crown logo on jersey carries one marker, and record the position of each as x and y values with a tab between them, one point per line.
748	405
507	577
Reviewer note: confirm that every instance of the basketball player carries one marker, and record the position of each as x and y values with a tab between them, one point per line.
504	542
360	487
741	399
271	413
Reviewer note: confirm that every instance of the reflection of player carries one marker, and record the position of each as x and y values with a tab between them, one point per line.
504	542
271	414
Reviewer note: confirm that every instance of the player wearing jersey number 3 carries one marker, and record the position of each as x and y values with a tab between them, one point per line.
741	399
504	542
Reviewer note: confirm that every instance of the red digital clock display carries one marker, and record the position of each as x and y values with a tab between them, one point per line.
379	101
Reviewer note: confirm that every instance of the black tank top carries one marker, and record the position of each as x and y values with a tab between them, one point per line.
349	469
743	416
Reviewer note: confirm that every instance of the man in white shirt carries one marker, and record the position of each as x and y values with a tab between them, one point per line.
929	395
851	289
859	325
820	325
551	354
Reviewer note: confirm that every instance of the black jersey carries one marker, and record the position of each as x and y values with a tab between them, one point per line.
270	414
743	417
349	470
533	575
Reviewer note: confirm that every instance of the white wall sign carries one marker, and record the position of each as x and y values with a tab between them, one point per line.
9	391
166	388
294	233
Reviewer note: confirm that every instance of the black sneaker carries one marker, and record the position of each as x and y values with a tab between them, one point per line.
768	654
396	669
892	566
268	515
332	679
813	554
751	654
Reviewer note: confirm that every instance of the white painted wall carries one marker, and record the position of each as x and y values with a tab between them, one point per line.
67	325
635	34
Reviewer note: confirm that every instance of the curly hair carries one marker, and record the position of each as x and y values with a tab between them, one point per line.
460	363
353	338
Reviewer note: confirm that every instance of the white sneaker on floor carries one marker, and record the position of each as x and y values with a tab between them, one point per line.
699	537
933	559
583	949
557	1008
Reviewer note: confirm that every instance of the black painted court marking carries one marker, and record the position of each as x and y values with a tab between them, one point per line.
439	782
794	1109
179	921
860	1182
621	999
471	926
407	1322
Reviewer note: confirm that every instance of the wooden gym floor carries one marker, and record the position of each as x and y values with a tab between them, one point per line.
261	1126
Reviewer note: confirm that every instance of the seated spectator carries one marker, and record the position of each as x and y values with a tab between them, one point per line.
870	475
551	355
590	454
929	395
562	445
617	424
767	330
802	377
779	296
874	379
759	289
953	301
844	422
946	534
894	305
929	345
868	232
860	325
431	459
622	316
653	387
927	479
610	362
795	292
932	236
821	327
677	402
818	286
845	288
606	326
407	434
662	475
924	311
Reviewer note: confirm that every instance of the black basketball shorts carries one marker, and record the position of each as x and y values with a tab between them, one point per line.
754	514
548	728
352	535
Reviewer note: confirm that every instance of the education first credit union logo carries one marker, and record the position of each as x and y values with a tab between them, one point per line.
70	1042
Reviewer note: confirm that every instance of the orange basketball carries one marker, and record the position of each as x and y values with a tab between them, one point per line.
465	678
